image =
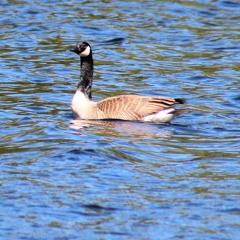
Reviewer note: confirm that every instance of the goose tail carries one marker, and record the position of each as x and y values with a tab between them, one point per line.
180	100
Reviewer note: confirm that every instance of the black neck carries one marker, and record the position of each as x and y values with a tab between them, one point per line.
86	77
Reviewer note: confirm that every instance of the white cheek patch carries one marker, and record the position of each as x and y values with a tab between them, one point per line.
86	52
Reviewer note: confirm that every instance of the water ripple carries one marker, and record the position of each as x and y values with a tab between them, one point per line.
63	178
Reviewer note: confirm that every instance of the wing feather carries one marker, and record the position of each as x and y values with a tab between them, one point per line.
131	107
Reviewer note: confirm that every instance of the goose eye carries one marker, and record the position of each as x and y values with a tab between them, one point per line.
82	49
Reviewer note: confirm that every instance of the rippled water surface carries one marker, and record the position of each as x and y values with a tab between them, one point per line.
63	178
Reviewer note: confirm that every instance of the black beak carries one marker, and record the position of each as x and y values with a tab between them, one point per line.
75	49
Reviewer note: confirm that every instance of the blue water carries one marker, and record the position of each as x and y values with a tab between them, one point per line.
63	178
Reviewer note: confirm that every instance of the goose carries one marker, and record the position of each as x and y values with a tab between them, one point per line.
122	107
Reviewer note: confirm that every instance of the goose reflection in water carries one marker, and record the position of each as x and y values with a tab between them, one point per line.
120	128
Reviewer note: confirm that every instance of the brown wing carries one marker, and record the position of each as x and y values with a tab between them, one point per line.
132	107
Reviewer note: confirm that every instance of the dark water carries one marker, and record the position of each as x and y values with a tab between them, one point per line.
65	179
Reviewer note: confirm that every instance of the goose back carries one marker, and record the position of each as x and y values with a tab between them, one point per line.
125	107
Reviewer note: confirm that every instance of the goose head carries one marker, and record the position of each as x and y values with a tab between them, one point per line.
83	49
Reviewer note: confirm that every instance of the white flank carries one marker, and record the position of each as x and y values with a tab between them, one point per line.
86	52
163	116
81	105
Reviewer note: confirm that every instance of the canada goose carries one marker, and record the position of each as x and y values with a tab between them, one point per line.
122	107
